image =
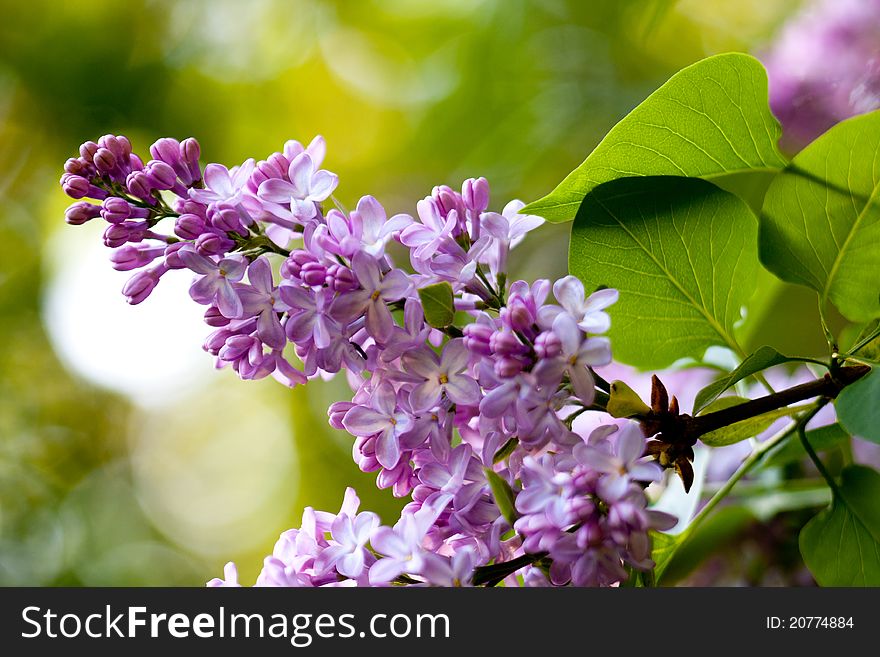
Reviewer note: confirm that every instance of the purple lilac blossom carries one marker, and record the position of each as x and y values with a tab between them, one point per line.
824	67
432	408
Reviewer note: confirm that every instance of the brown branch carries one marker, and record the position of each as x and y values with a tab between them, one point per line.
828	386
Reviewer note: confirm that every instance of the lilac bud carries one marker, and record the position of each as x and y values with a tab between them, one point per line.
87	150
125	144
189	206
214	318
272	168
142	284
337	411
236	347
341	279
292	267
127	231
105	161
114	145
135	163
79	167
166	149
518	315
138	183
75	186
548	345
313	273
172	257
189	226
227	219
115	210
505	343
131	257
475	192
190	152
161	175
212	243
477	337
215	341
81	212
507	367
447	200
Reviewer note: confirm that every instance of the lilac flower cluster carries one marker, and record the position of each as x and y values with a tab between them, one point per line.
438	410
825	67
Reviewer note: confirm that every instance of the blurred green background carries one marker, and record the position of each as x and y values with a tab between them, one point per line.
125	459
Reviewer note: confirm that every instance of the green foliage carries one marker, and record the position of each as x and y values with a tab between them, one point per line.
503	494
710	120
623	401
820	225
438	305
682	253
820	439
858	407
739	431
841	546
693	547
664	547
760	360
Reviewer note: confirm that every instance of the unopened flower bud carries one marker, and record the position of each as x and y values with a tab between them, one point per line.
79	213
75	186
213	317
189	226
313	273
105	161
87	150
211	243
138	183
172	255
227	219
548	345
131	257
477	338
160	174
475	192
341	279
190	152
507	367
142	284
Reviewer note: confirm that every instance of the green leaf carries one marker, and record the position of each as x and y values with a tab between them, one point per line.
710	120
664	547
718	531
438	304
744	429
791	450
504	496
841	545
682	253
858	407
623	401
820	225
760	360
